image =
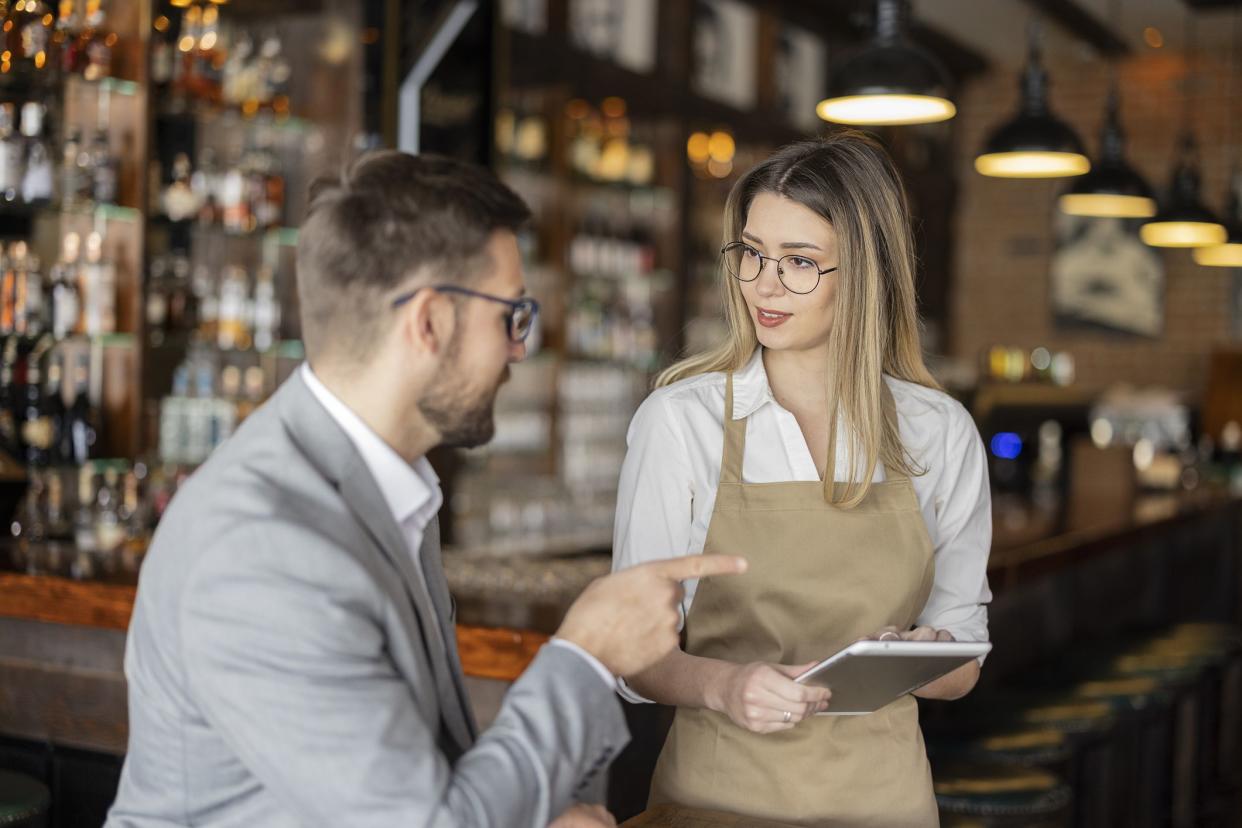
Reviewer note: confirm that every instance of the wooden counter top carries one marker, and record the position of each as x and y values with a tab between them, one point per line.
503	629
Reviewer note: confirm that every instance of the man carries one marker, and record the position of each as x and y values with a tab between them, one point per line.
291	659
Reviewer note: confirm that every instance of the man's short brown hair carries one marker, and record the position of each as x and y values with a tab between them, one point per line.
389	216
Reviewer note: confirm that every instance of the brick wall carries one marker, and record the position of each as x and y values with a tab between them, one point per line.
1003	232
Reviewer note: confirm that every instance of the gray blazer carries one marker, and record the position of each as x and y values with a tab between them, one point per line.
284	667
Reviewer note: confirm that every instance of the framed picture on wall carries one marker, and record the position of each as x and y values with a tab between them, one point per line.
1103	276
801	76
624	33
724	43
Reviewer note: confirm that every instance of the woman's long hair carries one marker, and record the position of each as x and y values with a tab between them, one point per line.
848	179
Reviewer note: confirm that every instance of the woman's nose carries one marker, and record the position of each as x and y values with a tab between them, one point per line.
769	283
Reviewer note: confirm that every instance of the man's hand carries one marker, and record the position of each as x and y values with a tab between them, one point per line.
628	620
585	816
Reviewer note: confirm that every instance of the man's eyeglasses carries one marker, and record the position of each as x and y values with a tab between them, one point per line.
520	319
798	273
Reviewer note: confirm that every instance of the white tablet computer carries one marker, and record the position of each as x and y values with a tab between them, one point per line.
868	675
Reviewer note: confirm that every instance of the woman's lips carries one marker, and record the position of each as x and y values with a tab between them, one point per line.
770	318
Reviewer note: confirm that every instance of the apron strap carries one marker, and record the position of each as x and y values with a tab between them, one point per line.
734	439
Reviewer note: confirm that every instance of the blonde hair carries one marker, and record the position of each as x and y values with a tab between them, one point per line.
849	180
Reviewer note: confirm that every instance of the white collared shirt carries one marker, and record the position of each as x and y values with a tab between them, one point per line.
411	490
672	469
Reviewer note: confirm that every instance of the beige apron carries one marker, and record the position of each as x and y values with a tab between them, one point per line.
820	578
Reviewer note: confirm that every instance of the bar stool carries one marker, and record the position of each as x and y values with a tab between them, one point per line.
1091	727
990	796
1143	778
24	801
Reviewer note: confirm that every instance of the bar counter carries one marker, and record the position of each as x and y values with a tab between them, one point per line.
1058	571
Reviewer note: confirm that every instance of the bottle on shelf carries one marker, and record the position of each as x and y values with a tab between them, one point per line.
12	154
109	527
103	169
179	201
266	312
36	426
233	330
66	299
99	290
84	515
14	262
81	428
56	412
71	185
181	307
38	181
28	302
59	524
83	173
156	305
8	399
255	387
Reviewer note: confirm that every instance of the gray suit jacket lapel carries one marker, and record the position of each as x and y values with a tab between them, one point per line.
332	452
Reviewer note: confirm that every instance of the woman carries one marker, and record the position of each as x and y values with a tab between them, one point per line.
821	370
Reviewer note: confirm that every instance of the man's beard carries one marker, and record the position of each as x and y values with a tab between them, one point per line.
463	416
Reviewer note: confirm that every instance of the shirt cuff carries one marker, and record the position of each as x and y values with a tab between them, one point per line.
604	673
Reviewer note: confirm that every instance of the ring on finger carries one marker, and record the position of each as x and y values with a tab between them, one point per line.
889	635
788	717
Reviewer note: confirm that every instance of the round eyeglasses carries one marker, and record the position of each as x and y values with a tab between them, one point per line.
798	273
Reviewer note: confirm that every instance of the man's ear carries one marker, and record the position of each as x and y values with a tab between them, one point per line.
427	322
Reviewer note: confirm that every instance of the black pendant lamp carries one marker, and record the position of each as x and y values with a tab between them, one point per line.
1035	143
1229	254
892	81
1183	220
1113	189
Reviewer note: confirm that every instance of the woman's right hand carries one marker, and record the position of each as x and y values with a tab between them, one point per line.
764	698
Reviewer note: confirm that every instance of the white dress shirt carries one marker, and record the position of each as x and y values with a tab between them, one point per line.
411	490
672	469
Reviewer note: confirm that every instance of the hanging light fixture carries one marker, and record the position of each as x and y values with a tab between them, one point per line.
1183	220
892	81
1229	254
1035	143
1112	189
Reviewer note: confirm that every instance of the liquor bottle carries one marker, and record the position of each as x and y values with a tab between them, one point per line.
12	154
8	399
180	202
205	184
14	263
99	296
81	422
37	183
84	173
71	184
104	169
109	528
57	414
181	307
156	305
27	291
234	207
266	309
66	299
84	514
36	427
233	331
59	525
208	302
